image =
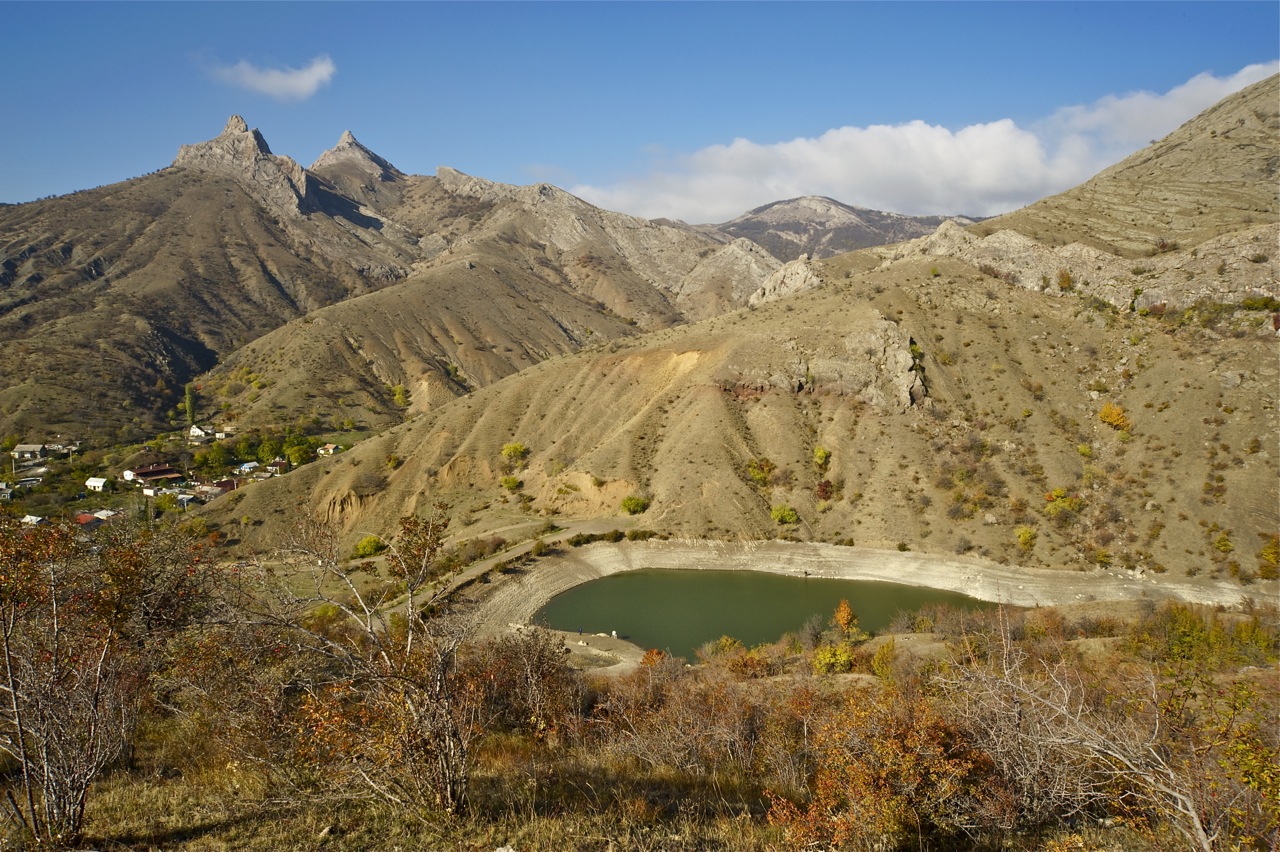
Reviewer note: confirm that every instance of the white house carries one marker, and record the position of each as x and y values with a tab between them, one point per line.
96	483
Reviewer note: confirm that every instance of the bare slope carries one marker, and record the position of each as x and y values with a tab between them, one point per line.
954	408
1217	174
119	296
520	274
1191	219
111	299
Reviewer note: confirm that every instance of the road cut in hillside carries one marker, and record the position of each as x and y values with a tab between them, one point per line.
514	603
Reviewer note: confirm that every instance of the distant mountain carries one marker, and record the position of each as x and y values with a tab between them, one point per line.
112	299
966	405
822	227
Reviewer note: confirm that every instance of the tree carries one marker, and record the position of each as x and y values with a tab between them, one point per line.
844	617
1184	745
386	708
189	402
889	768
269	449
81	632
513	456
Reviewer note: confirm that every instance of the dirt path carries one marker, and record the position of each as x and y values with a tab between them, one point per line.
514	601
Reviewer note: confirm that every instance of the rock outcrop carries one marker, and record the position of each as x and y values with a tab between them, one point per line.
243	154
1228	268
350	154
794	277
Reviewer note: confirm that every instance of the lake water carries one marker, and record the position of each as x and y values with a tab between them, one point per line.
679	611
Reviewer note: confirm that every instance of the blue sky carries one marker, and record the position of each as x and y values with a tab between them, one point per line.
697	111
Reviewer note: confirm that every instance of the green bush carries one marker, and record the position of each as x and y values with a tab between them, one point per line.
512	483
515	452
760	470
833	659
370	545
784	514
634	504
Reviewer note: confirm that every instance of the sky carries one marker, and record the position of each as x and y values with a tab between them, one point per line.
686	110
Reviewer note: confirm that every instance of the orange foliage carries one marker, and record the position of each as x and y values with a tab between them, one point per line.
890	768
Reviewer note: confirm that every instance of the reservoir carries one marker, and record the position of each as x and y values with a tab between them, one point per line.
678	611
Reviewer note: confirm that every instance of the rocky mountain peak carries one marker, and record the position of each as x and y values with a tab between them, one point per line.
243	154
235	124
821	227
349	152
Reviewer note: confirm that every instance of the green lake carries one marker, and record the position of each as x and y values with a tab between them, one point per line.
679	611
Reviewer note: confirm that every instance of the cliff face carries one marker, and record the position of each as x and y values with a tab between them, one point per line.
242	154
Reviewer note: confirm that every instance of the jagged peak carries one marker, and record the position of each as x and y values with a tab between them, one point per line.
349	150
235	124
243	154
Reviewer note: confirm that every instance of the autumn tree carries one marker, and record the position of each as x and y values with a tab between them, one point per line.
1184	746
82	629
383	703
889	769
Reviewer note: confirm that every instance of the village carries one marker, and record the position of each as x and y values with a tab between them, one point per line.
67	478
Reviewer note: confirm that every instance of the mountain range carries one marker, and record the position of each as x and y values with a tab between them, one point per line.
1097	369
1105	398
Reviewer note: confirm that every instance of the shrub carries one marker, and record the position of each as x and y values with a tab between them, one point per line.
370	545
514	454
1260	303
634	504
784	514
834	659
1269	557
821	457
1115	417
1065	282
760	470
1026	538
512	483
882	661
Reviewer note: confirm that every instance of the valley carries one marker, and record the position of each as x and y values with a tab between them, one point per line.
354	427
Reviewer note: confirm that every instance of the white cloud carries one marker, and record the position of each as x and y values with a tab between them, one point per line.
919	168
284	84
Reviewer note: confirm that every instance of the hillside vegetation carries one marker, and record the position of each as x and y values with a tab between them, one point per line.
338	656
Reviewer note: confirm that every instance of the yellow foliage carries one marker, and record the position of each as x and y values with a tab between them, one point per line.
1115	417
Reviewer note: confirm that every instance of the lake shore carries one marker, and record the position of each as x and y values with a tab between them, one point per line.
514	602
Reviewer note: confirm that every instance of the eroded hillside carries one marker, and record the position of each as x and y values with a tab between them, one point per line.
960	414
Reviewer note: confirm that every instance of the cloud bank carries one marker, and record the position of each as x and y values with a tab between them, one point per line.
283	84
919	168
